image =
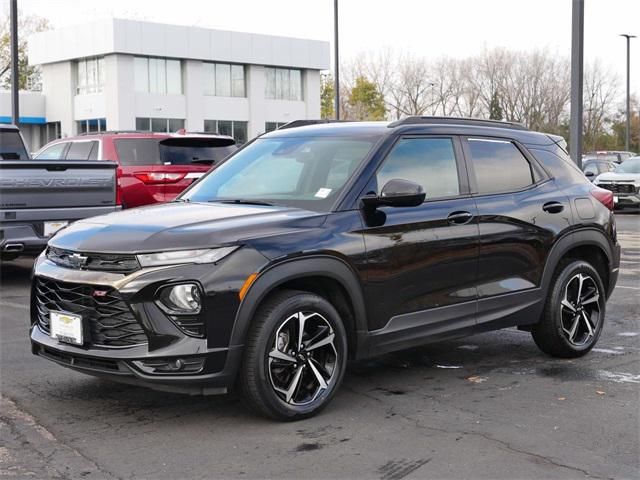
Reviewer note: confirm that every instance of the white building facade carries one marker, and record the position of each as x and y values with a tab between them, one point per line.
131	75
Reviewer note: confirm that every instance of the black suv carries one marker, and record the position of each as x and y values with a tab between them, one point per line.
314	245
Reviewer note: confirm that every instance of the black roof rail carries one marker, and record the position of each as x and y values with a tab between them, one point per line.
479	122
304	123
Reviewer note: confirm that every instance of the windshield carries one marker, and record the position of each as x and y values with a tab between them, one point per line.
629	166
298	172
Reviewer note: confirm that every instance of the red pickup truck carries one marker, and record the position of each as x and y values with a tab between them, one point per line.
152	167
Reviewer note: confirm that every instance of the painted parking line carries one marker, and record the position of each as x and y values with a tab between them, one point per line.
624	286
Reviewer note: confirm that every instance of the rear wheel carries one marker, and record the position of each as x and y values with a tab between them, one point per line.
574	312
295	356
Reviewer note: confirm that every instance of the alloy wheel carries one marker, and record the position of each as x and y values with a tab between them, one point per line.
303	361
580	310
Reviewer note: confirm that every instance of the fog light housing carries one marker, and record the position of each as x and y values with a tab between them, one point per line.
159	366
183	299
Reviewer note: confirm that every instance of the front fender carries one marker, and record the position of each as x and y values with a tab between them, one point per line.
300	267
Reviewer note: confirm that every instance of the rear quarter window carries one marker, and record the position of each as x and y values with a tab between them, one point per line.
138	151
83	150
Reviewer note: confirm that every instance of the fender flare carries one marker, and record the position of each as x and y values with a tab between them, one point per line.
316	265
583	237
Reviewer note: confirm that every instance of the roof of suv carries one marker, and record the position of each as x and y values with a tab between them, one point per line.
420	125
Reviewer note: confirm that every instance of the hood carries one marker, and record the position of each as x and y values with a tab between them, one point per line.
176	226
618	177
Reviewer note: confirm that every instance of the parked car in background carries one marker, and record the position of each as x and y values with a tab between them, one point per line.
319	244
593	168
616	156
39	198
624	182
152	167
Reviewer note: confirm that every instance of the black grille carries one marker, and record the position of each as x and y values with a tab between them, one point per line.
619	187
103	262
106	316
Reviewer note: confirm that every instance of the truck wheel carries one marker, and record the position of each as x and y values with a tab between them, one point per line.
574	313
295	356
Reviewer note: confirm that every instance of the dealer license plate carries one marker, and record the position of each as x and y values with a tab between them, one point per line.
52	227
66	327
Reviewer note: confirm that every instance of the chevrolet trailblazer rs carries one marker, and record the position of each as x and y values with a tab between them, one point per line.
322	243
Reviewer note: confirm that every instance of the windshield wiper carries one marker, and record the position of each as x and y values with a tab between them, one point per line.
243	201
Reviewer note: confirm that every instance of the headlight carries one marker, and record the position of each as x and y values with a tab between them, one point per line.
183	298
208	255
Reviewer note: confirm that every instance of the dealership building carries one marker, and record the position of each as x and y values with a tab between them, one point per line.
132	75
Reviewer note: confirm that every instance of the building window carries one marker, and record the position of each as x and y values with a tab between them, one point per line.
223	79
271	126
162	125
235	129
283	84
93	125
158	75
89	75
50	131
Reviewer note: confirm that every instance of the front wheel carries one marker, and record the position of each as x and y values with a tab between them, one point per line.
574	313
295	356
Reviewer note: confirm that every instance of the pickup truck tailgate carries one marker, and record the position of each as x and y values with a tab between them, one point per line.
57	184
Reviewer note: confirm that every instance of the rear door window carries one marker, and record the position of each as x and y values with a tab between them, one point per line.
82	150
54	152
499	166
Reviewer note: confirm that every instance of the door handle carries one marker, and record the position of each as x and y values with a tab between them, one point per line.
459	218
553	207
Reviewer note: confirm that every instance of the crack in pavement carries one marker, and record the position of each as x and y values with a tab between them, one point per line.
505	446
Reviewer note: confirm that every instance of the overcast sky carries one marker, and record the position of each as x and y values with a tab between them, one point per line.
427	28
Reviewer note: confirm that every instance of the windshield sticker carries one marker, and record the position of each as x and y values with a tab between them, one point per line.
323	193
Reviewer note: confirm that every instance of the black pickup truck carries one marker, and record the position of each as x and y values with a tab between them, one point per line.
39	197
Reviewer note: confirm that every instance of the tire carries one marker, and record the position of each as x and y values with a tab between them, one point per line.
274	358
571	328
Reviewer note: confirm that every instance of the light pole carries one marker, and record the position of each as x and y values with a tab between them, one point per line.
577	55
626	140
337	59
15	74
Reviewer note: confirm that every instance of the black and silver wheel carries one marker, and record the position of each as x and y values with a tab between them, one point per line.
574	312
295	356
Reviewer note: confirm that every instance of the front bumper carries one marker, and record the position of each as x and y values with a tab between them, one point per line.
216	360
218	374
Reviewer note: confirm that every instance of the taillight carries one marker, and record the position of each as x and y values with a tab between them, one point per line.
605	197
159	177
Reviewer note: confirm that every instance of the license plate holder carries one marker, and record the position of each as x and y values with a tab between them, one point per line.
52	227
66	327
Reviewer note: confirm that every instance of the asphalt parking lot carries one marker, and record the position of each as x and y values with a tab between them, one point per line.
489	406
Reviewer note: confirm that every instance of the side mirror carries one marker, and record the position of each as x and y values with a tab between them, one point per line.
396	193
590	174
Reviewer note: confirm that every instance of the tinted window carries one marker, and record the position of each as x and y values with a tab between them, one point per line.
54	152
429	162
80	150
11	146
171	151
499	166
138	151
